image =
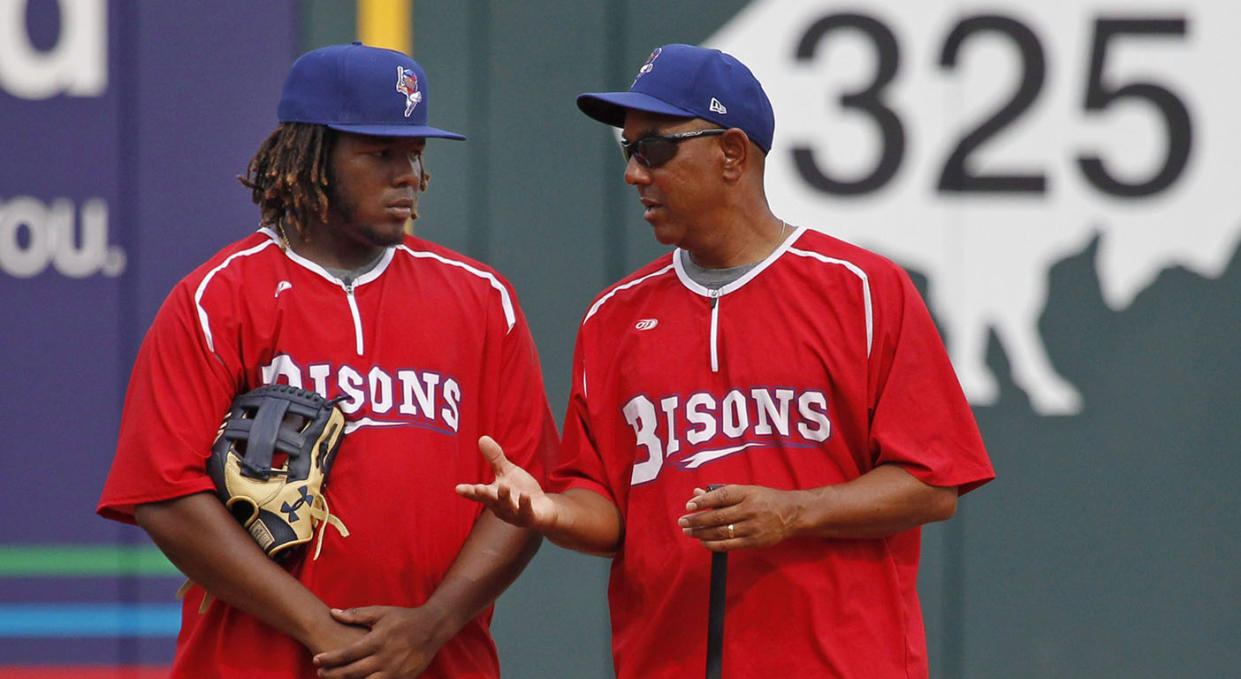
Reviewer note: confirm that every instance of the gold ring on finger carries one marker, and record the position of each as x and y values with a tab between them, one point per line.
730	531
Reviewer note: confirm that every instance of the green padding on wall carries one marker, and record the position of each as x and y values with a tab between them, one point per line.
328	22
57	561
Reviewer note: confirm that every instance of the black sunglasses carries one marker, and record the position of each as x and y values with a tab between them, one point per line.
656	150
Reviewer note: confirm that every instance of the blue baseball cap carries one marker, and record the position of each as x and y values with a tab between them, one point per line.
359	89
694	82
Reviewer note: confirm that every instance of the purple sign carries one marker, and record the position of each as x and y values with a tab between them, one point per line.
122	128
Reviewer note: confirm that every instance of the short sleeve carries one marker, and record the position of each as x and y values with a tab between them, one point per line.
178	391
581	464
526	428
920	418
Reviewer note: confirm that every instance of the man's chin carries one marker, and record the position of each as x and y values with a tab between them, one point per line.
664	233
389	235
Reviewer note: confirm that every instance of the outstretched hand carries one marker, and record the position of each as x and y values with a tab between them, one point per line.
737	517
515	496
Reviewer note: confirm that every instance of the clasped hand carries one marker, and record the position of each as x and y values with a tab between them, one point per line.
399	643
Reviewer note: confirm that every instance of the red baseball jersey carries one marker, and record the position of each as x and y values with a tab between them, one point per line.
814	367
431	351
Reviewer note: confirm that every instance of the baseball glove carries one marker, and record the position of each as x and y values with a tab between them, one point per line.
270	463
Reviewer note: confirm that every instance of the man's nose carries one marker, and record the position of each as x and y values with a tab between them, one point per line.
636	173
409	171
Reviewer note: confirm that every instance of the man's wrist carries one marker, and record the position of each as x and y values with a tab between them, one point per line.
315	631
808	511
445	619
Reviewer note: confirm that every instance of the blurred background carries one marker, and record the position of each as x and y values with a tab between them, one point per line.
1058	176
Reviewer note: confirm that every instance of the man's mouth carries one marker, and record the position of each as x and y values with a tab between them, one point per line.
402	208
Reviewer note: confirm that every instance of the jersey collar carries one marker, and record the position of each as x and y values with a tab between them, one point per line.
375	272
700	289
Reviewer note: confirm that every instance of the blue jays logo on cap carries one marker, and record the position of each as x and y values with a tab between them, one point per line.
650	64
407	84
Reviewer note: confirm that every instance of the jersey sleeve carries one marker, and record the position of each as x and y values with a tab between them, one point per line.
526	429
178	392
920	418
581	464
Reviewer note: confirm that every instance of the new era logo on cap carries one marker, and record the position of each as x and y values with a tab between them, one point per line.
717	107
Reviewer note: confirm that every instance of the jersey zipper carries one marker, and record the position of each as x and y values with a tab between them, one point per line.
715	329
357	317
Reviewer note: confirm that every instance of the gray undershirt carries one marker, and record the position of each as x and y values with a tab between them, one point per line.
348	276
713	279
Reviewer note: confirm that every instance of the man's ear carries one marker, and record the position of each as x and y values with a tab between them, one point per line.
736	150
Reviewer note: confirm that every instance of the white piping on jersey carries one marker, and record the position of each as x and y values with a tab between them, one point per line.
356	316
703	290
630	284
385	260
509	315
600	302
717	294
715	330
203	321
857	271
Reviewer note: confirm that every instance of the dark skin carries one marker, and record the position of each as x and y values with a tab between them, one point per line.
377	182
206	543
723	222
403	641
709	200
375	191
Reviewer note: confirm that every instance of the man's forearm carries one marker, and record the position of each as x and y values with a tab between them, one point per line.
586	522
493	555
202	539
882	502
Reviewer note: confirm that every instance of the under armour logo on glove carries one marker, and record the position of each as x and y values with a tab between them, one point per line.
292	511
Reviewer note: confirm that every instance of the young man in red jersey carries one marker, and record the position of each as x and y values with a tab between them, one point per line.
430	351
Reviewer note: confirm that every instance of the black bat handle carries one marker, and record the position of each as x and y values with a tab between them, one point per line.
715	613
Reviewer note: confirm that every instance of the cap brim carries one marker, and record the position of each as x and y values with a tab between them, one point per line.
610	107
399	131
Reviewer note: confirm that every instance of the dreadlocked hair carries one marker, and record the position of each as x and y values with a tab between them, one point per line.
289	176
